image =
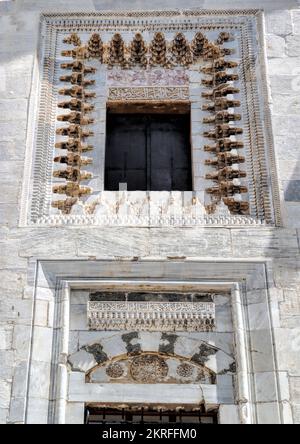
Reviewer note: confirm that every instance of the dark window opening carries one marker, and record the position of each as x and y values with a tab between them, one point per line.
148	152
105	415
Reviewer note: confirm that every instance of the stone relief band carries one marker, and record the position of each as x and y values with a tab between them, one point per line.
154	316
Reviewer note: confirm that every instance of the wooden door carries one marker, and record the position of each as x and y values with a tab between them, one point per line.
148	152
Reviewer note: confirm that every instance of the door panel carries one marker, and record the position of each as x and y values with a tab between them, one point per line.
170	150
149	152
126	153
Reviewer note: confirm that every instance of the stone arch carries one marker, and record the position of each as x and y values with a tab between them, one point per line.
150	368
122	346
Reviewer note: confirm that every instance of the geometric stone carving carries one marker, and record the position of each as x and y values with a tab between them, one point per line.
151	368
185	370
148	368
153	316
115	370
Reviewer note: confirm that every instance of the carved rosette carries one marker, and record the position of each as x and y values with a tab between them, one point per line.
148	369
226	159
76	132
115	370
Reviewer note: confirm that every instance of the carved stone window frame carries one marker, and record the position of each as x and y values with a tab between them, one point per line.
37	184
248	282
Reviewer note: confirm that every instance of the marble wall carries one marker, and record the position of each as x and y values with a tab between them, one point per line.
278	247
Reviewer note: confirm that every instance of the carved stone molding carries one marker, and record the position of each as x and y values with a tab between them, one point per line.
149	93
260	165
153	316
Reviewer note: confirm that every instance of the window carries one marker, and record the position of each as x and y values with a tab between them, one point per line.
148	415
148	152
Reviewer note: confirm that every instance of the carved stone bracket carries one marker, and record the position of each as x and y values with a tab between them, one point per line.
78	118
154	316
228	188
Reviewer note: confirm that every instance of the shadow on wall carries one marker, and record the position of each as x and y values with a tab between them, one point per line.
291	195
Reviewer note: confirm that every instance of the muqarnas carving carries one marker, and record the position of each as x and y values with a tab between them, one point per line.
227	176
77	118
95	47
116	52
198	44
180	51
138	51
73	39
158	50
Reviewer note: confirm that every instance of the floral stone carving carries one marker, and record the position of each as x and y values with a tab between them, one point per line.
148	369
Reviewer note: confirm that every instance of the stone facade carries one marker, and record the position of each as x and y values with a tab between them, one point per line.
49	269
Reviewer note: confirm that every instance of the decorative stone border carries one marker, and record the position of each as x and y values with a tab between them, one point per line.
250	287
151	316
247	25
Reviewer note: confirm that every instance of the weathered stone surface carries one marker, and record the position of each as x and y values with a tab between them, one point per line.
7	364
259	317
286	273
293	45
268	413
292	191
279	22
37	411
292	213
17	410
286	127
82	361
290	309
5	388
296	413
261	348
229	414
21	340
75	413
288	347
19	33
290	66
264	242
266	388
289	171
40	380
78	317
283	85
289	103
3	412
42	336
9	215
5	336
295	389
275	46
287	147
15	77
296	21
20	379
17	310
